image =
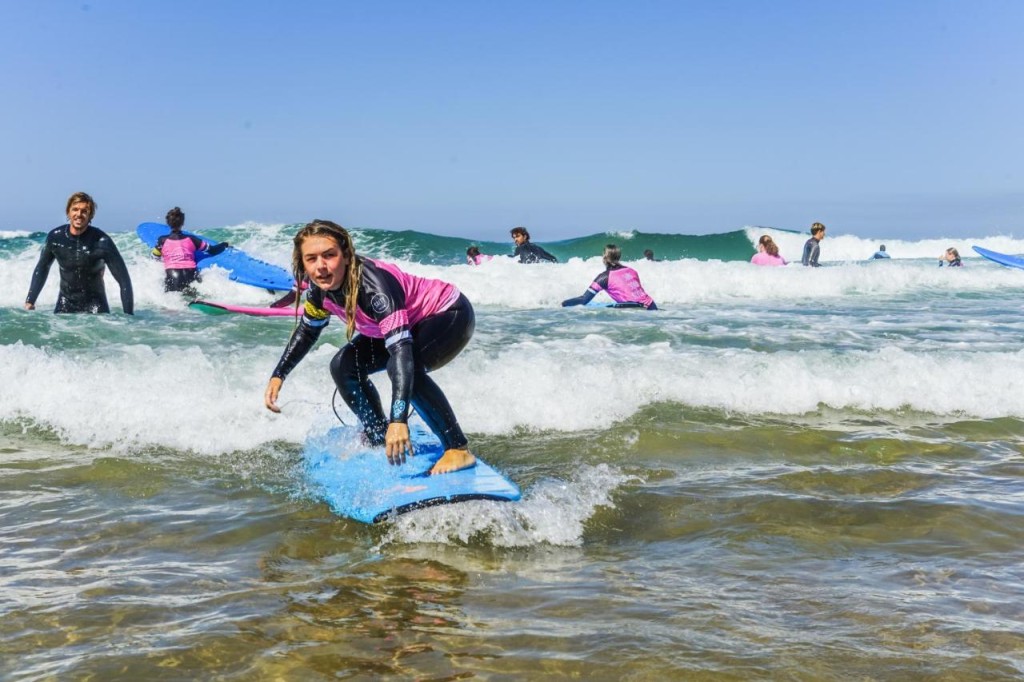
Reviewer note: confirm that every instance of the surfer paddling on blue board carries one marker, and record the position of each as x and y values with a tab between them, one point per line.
83	253
178	252
408	325
621	283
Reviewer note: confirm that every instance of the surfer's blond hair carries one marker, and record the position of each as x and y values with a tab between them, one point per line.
331	230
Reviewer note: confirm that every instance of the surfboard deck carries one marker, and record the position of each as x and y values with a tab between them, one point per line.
241	267
213	308
358	483
1001	258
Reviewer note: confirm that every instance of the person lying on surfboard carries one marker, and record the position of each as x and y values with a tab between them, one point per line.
621	283
406	324
178	252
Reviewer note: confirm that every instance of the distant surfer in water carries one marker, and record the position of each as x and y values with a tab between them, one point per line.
881	254
526	251
621	283
408	325
178	252
812	248
474	257
767	252
951	258
83	253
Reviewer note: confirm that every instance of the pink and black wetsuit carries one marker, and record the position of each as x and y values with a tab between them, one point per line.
406	324
622	284
178	252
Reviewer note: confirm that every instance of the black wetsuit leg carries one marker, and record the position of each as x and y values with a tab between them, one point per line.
436	340
94	301
351	368
178	279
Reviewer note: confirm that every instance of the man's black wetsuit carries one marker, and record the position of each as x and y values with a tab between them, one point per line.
82	261
385	305
529	252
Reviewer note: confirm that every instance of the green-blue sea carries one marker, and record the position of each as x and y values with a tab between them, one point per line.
784	474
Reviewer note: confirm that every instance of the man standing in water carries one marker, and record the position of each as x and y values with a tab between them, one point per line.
526	251
83	253
812	249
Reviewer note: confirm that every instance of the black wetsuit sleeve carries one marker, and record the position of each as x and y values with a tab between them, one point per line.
211	250
600	282
119	270
42	271
157	251
314	319
587	296
381	296
544	255
529	252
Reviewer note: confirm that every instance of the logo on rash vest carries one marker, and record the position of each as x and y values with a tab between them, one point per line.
398	409
380	303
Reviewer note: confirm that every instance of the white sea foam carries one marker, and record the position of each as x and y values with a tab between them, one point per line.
731	336
551	512
125	397
838	247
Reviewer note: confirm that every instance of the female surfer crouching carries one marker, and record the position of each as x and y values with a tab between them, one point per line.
406	324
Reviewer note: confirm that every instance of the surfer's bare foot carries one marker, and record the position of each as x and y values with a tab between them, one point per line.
453	460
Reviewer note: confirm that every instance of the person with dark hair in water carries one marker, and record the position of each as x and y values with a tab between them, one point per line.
178	252
474	257
83	253
649	255
406	324
526	251
621	283
881	254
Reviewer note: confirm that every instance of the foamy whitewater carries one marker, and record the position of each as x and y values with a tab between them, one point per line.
852	432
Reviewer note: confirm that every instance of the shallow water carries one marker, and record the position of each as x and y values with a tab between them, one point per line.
755	483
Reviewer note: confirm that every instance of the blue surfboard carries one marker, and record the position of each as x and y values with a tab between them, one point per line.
358	483
241	267
1001	258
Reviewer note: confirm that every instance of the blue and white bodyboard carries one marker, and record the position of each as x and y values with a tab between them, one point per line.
358	483
241	267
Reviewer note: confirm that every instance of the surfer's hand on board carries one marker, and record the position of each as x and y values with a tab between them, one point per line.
270	396
397	443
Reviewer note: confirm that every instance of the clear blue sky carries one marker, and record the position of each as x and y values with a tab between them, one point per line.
898	118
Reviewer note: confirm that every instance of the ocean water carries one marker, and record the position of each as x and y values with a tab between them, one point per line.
786	473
